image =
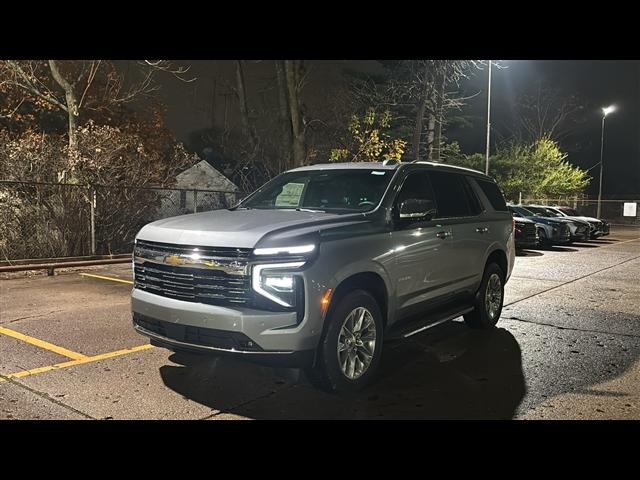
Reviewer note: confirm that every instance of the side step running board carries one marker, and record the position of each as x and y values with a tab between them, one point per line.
417	327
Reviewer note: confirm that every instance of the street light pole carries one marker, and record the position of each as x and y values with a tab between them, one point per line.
605	111
486	169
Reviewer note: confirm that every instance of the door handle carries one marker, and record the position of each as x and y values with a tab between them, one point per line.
443	235
482	229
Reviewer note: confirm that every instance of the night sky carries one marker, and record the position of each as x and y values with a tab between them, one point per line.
599	83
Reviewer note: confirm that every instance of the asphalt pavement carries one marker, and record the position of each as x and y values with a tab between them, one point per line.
567	347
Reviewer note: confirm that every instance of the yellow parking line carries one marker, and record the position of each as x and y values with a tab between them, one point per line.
42	344
129	282
72	363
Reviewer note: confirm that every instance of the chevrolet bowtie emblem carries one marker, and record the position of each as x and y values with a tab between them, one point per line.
180	260
175	260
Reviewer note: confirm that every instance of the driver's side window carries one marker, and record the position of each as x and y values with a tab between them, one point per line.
415	195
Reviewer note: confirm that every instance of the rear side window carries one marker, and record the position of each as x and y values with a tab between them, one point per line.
452	197
494	195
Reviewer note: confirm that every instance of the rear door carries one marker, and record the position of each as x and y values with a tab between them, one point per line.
461	212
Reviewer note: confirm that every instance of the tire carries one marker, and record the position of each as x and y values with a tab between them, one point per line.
484	315
329	371
542	238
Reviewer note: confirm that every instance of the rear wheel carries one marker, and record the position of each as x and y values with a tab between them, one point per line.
351	348
489	299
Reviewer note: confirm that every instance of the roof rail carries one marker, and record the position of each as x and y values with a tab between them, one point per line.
390	161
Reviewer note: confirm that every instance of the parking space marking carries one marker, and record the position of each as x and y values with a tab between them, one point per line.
42	344
72	363
128	282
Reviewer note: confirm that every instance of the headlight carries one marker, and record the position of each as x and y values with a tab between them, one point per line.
273	281
296	250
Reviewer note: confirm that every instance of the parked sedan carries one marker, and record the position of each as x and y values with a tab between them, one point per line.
598	228
550	231
579	228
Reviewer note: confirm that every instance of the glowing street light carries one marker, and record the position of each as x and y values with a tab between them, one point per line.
605	111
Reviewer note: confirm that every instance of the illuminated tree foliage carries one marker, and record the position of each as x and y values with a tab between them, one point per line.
537	170
370	140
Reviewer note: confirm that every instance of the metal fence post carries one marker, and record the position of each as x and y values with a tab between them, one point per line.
195	201
93	220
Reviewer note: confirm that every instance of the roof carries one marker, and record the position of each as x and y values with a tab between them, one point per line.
345	165
382	166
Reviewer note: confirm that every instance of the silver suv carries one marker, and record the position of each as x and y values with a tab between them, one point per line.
323	263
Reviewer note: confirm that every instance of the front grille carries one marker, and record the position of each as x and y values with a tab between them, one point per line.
197	335
230	253
213	286
530	231
192	284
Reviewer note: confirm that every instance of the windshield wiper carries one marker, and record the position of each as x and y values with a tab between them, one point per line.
310	210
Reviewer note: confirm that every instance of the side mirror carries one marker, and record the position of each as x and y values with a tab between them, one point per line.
417	209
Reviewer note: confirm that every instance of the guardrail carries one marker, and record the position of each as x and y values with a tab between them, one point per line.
50	265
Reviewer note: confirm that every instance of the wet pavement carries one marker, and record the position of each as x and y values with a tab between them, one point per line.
567	347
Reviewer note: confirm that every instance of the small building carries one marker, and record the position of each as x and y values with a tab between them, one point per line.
200	188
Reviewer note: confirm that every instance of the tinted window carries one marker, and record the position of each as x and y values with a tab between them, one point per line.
451	195
416	185
474	202
493	194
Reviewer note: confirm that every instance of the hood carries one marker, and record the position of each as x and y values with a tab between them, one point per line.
523	220
241	228
549	220
587	219
578	220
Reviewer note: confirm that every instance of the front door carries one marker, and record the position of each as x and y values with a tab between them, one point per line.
420	247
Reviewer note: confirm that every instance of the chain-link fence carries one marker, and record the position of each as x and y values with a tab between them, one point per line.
614	211
46	220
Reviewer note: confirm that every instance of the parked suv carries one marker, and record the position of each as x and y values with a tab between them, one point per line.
578	229
597	227
550	231
323	263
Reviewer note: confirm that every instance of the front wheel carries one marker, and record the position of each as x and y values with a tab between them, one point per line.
351	348
542	238
489	299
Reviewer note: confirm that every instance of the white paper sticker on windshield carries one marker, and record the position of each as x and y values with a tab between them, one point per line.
290	195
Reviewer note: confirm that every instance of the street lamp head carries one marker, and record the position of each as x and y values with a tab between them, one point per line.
607	110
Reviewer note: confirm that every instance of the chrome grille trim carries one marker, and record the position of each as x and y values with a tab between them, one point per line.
231	261
224	280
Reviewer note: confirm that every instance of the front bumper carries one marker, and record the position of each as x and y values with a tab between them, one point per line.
248	333
561	235
227	343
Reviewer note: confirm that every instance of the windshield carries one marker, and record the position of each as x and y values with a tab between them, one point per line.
571	212
544	212
335	191
521	212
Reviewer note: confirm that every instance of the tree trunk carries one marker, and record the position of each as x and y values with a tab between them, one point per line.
437	131
297	129
284	116
431	128
422	106
72	112
244	110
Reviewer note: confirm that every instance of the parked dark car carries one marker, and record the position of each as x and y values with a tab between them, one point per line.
579	229
598	227
550	231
